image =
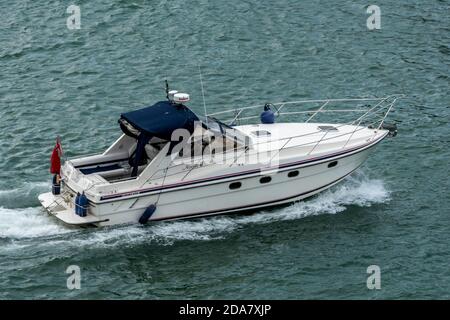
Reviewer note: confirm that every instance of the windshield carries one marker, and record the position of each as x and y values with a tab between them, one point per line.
220	128
217	125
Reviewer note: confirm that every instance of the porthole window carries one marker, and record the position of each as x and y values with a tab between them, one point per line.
235	185
265	179
293	174
332	164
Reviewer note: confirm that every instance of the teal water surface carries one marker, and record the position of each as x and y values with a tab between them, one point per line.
394	212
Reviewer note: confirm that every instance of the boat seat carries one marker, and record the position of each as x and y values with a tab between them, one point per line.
100	169
114	173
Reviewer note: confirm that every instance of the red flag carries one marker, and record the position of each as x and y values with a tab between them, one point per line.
55	160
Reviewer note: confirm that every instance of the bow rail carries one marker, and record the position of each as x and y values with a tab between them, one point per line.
378	107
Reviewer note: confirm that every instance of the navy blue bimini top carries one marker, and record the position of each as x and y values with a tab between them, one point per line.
161	119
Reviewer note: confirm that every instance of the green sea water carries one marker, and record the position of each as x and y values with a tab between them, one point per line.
394	212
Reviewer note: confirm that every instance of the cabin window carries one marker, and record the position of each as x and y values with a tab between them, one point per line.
332	164
293	174
261	133
235	185
265	179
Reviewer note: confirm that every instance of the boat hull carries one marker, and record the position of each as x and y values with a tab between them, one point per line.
216	197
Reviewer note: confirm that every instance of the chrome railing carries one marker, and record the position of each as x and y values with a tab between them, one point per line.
238	115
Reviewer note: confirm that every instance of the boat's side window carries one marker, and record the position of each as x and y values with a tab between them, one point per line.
235	185
332	164
293	174
265	179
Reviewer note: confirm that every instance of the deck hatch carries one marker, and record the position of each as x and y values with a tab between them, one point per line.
261	133
327	128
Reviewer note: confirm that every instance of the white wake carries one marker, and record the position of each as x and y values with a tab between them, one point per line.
25	223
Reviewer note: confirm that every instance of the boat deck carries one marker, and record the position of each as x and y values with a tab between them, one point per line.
64	211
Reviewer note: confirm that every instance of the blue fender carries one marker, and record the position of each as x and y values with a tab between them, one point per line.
77	204
83	204
267	117
147	214
56	186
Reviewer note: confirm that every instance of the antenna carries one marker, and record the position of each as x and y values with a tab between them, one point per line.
203	94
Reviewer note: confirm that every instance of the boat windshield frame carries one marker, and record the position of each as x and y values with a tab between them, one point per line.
226	130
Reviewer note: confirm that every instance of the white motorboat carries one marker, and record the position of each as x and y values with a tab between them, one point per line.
171	164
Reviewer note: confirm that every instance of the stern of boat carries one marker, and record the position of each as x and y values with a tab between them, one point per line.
63	207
